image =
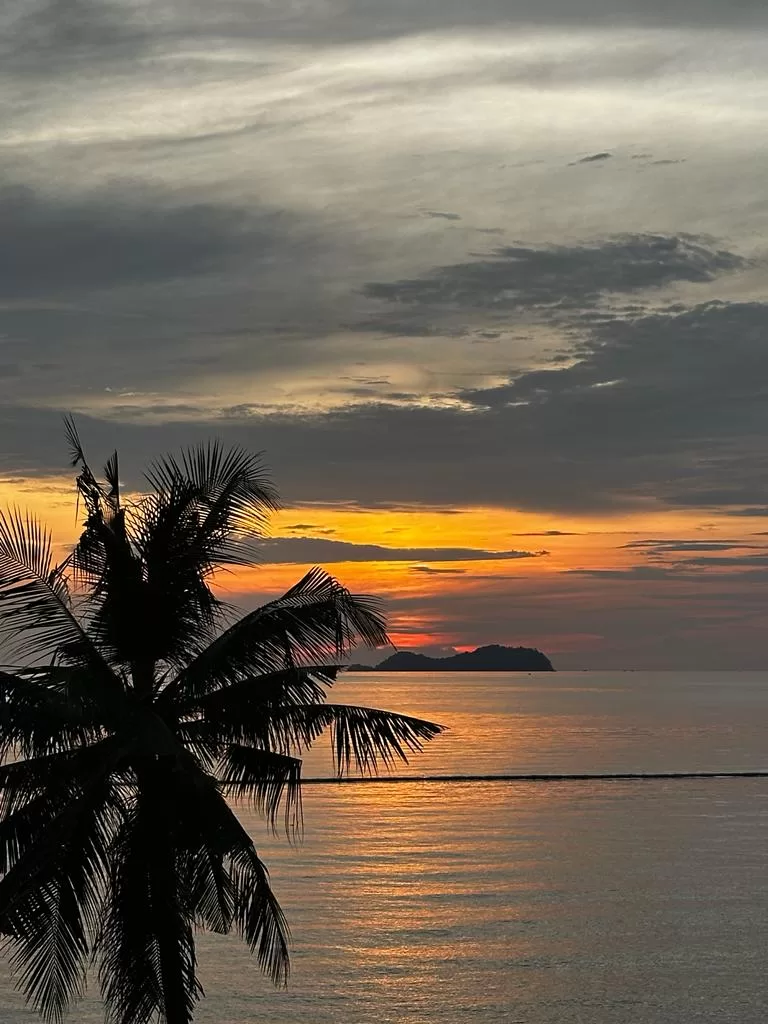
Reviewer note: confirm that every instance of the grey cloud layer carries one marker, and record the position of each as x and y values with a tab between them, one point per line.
82	27
563	275
54	245
684	421
156	289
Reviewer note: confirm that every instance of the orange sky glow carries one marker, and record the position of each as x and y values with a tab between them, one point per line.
560	575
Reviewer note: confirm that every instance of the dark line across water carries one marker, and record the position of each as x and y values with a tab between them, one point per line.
586	777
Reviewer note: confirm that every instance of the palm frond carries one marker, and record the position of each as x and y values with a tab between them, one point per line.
258	916
266	779
112	476
317	620
35	613
211	891
57	708
31	778
36	720
248	901
230	486
50	899
37	620
36	813
365	739
88	487
305	685
181	610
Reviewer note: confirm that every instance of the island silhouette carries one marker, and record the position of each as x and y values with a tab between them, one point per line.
493	658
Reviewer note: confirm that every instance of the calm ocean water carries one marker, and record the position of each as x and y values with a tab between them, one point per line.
535	902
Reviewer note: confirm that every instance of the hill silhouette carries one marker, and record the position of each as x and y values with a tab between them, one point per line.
493	658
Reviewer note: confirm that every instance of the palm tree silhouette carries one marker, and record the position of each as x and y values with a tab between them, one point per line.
142	704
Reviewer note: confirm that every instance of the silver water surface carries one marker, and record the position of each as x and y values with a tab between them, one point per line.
544	903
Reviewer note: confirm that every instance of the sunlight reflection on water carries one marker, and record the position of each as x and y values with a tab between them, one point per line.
544	903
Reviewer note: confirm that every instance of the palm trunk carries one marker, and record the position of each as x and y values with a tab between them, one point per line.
172	929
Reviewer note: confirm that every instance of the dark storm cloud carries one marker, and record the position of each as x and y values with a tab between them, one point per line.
562	276
669	404
733	575
120	235
305	550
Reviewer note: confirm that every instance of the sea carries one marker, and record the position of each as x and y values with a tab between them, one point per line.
488	900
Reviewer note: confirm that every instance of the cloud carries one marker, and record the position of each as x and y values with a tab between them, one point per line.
54	245
685	424
302	528
49	37
634	572
563	276
664	547
731	561
306	550
594	158
429	570
547	533
603	621
203	192
331	22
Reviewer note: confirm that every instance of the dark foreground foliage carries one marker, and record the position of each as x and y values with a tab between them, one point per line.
142	707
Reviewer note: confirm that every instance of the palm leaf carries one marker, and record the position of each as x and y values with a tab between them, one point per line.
112	476
317	620
231	487
305	685
211	827
258	916
365	739
50	897
87	486
38	718
265	779
35	612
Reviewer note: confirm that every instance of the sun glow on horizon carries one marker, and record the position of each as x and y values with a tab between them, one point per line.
503	563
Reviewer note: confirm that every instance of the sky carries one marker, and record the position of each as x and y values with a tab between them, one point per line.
486	282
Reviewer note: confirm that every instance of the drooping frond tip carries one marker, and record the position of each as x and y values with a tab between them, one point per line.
76	453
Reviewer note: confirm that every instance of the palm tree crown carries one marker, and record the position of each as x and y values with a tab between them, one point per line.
142	704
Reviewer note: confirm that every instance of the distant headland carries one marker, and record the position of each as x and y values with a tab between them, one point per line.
493	658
